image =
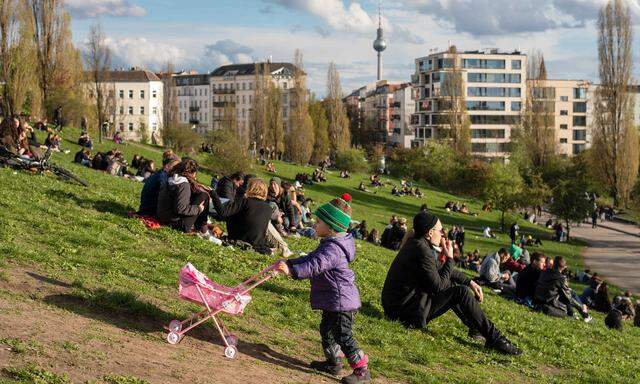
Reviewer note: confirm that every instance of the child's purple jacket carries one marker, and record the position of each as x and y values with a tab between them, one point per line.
333	286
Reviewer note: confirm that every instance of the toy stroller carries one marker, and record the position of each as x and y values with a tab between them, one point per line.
216	298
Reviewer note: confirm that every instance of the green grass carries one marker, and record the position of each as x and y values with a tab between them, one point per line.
125	274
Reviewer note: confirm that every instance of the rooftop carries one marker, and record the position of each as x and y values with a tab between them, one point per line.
250	69
129	76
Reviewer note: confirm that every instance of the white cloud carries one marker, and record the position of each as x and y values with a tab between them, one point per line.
335	13
93	8
140	52
224	52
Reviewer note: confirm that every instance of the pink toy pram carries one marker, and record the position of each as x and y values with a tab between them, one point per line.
216	298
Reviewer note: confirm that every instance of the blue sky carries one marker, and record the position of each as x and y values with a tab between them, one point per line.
201	35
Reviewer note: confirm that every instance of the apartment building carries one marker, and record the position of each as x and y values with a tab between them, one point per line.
194	100
234	86
569	103
388	106
494	86
137	96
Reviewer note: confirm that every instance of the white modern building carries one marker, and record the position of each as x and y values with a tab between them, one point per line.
494	86
402	108
137	96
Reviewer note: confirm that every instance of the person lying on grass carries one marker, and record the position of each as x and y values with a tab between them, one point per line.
417	289
333	290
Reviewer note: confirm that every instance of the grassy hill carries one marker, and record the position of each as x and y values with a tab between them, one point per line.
119	272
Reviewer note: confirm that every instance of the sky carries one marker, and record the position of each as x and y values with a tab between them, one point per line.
204	34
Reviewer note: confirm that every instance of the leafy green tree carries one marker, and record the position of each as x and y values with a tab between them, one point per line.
571	202
227	155
504	189
320	131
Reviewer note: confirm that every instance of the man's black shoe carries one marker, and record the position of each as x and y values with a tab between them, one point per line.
475	335
330	367
503	345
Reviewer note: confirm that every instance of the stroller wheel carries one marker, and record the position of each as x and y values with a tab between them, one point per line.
230	352
175	326
173	338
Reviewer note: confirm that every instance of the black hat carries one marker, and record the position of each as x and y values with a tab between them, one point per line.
423	222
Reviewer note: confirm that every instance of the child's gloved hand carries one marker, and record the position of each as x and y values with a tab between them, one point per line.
282	267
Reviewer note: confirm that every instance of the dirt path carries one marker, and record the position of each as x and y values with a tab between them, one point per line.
40	314
613	252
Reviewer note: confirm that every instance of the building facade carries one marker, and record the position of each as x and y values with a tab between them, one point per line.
194	101
494	87
135	96
403	107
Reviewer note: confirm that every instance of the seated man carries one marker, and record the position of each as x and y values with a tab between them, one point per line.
418	290
152	185
83	157
553	295
528	278
228	186
490	272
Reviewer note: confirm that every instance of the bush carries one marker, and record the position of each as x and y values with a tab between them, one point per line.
181	138
435	163
473	179
228	155
352	160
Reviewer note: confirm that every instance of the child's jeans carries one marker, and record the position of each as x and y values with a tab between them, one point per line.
336	333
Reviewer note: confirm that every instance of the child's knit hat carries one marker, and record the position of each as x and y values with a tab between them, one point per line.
336	213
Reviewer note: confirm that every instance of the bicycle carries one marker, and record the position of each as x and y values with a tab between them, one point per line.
8	158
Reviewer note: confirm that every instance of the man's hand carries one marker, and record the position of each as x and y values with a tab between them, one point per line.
477	290
447	248
282	267
201	207
585	309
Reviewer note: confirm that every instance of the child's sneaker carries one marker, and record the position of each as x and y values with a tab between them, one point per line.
330	367
359	375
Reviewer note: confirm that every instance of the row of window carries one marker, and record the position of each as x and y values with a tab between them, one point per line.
154	110
487	133
132	126
154	93
493	92
198	92
477	105
474	77
494	119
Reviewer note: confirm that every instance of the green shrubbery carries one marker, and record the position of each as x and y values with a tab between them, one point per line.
228	155
352	160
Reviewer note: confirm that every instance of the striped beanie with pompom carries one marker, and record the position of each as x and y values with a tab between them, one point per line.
336	214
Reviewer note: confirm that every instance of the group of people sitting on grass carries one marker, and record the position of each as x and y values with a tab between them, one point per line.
319	176
18	137
454	206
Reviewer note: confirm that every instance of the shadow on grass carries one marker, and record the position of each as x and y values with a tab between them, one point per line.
49	280
104	206
126	311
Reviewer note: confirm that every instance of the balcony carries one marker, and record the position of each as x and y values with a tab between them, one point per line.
194	109
224	91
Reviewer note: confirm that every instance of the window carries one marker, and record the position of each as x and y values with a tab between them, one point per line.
131	110
564	112
121	126
482	63
494	119
445	63
154	126
154	93
284	85
580	121
489	147
121	110
492	92
579	107
243	112
577	148
155	110
580	134
244	85
579	93
487	134
250	85
485	105
249	97
131	93
493	78
544	93
142	93
563	140
564	126
131	126
205	116
516	106
243	98
516	64
121	93
564	98
142	110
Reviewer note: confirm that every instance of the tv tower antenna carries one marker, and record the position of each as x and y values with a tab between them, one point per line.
379	44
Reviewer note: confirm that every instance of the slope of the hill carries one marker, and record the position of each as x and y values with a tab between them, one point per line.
111	286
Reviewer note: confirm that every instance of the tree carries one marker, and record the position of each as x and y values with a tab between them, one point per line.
455	107
504	189
320	131
169	111
300	137
534	136
274	123
570	200
258	119
16	57
227	153
339	136
615	139
181	138
98	61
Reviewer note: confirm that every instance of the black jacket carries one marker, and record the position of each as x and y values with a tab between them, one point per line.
284	204
553	291
174	200
413	278
226	188
247	218
527	281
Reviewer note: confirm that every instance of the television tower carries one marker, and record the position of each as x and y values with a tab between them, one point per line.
379	44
